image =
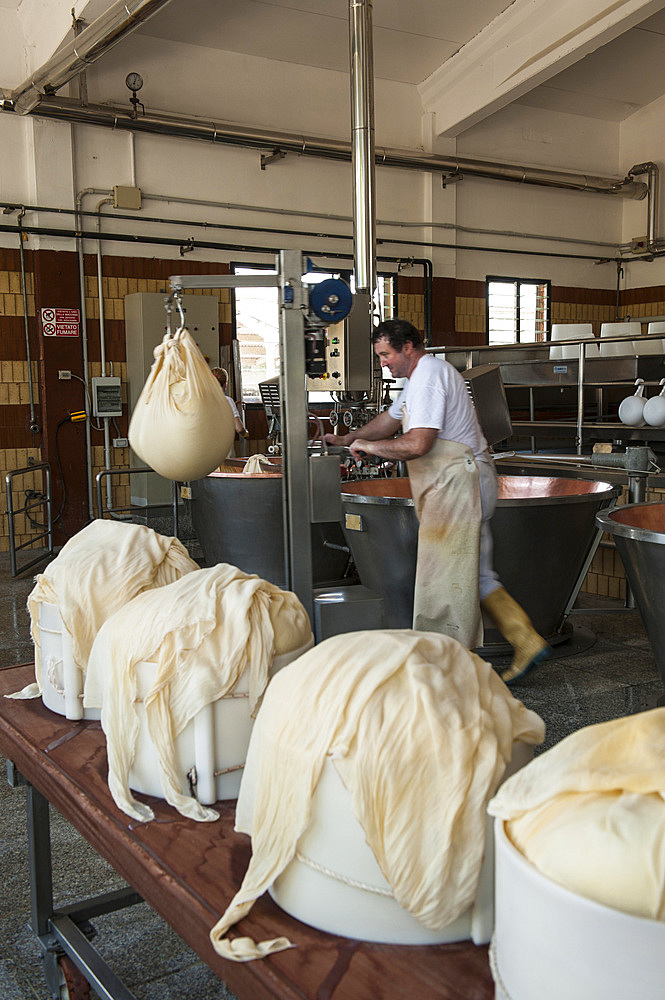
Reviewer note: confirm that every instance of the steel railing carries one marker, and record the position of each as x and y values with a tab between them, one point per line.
541	346
108	473
43	501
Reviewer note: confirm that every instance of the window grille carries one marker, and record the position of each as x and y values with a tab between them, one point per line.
518	310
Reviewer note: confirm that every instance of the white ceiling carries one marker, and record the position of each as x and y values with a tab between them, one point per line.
412	38
612	82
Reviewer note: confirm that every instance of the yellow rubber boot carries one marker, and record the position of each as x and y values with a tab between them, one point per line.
514	623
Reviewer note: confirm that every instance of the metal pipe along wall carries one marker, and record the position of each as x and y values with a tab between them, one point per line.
189	127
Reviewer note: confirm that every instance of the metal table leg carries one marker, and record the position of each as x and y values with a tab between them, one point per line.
66	931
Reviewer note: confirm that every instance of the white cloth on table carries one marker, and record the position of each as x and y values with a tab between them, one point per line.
202	632
102	567
590	813
420	731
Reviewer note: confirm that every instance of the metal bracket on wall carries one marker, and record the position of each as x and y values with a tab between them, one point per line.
453	178
266	158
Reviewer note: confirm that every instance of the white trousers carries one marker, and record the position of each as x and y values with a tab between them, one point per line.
488	580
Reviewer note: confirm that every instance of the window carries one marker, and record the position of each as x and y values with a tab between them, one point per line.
257	325
518	311
257	332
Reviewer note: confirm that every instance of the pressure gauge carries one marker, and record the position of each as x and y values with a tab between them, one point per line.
134	81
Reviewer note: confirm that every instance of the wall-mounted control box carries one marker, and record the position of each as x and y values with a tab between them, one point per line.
349	354
106	397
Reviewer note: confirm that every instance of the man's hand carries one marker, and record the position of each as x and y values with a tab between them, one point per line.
415	443
360	447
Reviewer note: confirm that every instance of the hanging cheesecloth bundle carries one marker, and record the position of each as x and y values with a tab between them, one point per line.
102	567
182	425
590	813
202	632
420	731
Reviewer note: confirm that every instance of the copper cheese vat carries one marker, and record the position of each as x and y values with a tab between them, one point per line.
639	535
543	530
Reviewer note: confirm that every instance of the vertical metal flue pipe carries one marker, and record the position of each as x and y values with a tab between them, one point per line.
361	54
651	170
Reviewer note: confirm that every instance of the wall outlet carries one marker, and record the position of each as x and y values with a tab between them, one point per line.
64	374
120	443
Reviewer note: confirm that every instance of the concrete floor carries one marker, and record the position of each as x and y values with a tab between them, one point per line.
606	671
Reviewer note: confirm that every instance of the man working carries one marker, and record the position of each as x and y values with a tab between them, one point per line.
454	487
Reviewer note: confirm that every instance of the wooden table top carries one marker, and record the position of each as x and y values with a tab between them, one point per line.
188	872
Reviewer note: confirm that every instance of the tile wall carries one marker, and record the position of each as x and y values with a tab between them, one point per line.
124	275
18	446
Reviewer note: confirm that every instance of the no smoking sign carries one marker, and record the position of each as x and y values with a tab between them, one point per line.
60	322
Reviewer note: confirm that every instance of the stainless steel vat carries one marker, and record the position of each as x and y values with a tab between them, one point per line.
238	520
639	535
543	530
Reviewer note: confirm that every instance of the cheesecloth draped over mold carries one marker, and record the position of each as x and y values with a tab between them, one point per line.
420	731
101	568
590	813
202	632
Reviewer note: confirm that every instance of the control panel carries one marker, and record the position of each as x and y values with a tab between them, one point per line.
333	379
348	352
106	397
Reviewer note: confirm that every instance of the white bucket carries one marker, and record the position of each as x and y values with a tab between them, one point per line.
212	746
335	884
62	681
551	944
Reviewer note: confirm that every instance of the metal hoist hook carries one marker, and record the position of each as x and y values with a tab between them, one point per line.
177	298
168	305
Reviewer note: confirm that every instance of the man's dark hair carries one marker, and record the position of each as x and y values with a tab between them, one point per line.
397	332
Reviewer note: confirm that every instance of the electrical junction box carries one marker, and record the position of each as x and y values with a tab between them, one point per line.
639	244
106	397
126	197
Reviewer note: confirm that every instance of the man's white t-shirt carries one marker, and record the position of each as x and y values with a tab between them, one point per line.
234	408
436	396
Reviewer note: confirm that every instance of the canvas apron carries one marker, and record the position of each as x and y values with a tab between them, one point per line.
446	496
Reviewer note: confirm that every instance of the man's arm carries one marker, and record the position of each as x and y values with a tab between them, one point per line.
382	426
414	444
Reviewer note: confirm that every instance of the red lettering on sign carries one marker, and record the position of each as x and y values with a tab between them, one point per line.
58	322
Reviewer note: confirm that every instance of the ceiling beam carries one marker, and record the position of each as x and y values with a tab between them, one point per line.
526	45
